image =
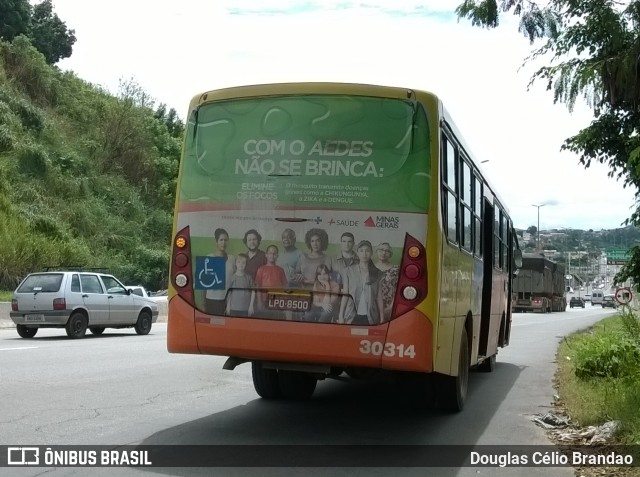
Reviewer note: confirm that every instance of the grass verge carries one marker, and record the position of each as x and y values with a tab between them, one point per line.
598	380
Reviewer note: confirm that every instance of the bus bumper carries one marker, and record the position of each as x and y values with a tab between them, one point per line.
403	344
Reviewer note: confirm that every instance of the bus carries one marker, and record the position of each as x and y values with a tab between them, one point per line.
331	230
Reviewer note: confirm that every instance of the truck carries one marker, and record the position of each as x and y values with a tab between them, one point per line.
539	285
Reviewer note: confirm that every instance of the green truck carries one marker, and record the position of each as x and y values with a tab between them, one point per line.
539	285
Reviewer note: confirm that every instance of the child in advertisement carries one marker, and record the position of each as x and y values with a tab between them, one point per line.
241	297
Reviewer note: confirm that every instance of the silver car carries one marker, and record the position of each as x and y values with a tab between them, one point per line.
75	301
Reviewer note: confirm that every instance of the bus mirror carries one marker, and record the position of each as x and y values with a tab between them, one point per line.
517	258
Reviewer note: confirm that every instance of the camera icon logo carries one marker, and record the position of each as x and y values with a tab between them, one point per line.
23	456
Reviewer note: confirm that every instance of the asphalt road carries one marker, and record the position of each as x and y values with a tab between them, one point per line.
121	388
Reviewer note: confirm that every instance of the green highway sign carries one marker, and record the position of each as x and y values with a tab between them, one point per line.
617	256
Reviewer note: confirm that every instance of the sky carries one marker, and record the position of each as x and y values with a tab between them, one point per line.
175	50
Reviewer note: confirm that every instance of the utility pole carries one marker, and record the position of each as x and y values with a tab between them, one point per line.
538	207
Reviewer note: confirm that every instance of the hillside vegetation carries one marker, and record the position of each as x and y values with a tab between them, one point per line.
86	178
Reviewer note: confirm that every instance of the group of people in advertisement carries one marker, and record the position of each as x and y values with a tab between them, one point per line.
352	287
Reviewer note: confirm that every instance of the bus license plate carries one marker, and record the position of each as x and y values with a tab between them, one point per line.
288	302
33	317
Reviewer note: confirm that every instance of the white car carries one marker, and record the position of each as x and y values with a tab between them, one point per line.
75	301
142	291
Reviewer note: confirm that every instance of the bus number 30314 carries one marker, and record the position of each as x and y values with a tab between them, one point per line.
390	350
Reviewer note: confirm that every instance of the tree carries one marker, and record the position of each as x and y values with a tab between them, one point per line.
49	34
15	18
594	47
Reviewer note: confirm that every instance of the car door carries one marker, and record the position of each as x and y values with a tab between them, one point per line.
95	299
121	303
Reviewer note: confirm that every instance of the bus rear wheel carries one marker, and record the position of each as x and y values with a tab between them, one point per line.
265	381
488	365
452	390
296	384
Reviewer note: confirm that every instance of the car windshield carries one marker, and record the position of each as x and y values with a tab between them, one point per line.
113	286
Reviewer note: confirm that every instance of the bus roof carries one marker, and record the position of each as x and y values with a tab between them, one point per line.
357	89
275	89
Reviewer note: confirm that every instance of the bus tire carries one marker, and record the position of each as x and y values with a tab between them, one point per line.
452	390
488	365
26	332
296	384
265	381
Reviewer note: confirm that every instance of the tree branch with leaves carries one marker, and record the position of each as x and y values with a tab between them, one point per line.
593	47
46	31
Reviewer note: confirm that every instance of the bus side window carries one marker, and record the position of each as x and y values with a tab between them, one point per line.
477	214
500	239
504	264
466	223
449	189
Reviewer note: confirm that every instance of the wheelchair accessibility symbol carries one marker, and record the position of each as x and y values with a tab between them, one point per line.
210	272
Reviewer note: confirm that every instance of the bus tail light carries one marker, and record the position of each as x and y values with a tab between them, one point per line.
181	269
412	278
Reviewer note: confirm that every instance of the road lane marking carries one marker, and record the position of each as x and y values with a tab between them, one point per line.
22	347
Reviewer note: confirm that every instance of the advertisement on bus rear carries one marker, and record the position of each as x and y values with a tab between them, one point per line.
293	201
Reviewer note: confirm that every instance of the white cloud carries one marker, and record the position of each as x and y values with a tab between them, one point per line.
177	50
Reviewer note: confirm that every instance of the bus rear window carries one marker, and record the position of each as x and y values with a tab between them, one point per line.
322	150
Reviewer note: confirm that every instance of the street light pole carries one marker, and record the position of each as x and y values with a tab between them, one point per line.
538	207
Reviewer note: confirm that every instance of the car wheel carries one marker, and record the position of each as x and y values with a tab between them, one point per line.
143	325
76	326
96	330
26	332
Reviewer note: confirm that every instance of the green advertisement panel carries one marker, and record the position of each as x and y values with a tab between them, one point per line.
318	151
